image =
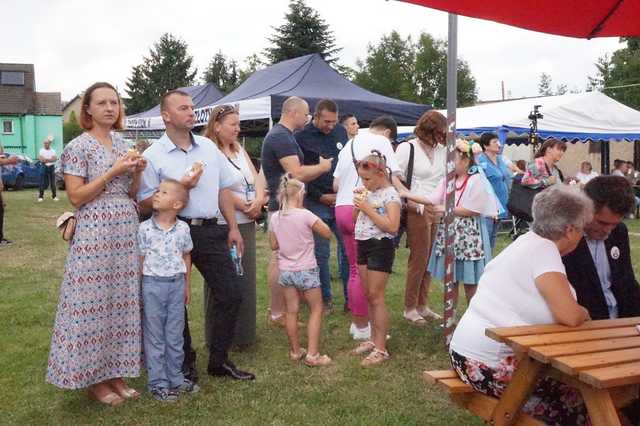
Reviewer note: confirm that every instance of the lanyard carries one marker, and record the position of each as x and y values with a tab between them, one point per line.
463	188
240	170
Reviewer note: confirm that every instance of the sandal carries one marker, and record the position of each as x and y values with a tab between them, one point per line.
427	313
317	360
364	347
111	399
298	356
375	357
415	318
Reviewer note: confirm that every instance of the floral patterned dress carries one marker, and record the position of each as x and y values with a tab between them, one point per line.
97	333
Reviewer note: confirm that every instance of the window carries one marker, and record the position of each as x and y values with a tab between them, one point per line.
7	127
12	78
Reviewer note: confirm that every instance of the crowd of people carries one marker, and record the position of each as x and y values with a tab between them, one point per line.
126	287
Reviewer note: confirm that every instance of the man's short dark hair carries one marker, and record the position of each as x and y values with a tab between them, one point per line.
386	122
345	117
617	163
614	192
325	105
163	101
486	138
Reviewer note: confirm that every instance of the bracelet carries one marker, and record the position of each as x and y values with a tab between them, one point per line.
105	181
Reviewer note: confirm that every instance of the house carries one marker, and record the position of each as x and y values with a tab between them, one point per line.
74	105
27	117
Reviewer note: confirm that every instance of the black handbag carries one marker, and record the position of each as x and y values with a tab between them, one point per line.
521	200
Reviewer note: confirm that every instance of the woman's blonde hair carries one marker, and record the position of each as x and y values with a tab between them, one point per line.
289	188
218	115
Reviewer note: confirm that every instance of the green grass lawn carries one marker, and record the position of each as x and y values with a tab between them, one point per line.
283	394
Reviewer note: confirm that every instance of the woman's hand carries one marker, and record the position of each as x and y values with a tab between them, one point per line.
254	209
141	164
124	165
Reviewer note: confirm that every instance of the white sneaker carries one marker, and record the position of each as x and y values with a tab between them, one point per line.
362	333
56	199
427	313
40	200
352	329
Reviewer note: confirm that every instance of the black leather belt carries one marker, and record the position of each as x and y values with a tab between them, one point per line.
199	222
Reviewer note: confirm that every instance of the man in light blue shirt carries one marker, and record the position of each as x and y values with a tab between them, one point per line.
198	164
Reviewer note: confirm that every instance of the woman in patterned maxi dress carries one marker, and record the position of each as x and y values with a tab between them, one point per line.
96	338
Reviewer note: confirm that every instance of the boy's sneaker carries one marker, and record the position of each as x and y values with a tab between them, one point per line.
56	199
40	199
4	242
187	387
163	395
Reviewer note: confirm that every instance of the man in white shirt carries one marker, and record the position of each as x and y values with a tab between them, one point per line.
47	157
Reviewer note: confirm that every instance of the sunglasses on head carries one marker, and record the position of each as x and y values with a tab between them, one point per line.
224	110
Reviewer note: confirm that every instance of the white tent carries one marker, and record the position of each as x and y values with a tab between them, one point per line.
582	116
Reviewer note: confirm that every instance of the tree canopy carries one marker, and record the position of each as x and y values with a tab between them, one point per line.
167	67
413	71
304	32
618	75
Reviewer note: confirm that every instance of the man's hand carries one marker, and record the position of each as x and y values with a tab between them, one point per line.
190	180
328	199
325	164
235	238
187	292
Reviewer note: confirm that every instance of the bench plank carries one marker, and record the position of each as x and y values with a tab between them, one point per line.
608	377
501	333
545	353
573	364
523	343
435	375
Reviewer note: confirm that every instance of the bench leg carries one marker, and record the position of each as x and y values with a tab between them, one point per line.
602	411
517	392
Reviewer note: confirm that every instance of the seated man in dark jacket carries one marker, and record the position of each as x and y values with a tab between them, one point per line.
600	269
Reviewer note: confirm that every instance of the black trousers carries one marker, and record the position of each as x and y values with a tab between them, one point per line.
48	178
211	256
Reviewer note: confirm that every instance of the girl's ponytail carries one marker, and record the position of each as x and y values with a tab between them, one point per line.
289	187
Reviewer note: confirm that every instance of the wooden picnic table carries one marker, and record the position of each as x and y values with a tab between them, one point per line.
600	358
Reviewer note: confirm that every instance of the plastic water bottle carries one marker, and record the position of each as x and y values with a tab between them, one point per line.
237	260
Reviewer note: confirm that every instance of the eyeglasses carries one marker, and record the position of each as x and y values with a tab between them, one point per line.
224	110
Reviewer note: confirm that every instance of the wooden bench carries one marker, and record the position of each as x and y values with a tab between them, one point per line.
468	398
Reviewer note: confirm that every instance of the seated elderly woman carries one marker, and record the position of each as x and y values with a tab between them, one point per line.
514	290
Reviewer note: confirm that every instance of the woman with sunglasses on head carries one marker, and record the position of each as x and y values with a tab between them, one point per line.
249	197
474	198
377	217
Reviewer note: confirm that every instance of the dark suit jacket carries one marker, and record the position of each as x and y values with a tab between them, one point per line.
583	276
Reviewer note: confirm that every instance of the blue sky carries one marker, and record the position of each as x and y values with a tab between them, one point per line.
74	43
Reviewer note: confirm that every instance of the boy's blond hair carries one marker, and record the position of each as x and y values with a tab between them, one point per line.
181	191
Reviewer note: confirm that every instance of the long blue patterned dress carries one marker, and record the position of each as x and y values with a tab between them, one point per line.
97	333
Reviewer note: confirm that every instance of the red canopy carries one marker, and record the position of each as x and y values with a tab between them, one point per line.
572	18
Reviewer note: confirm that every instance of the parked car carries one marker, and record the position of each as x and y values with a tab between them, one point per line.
22	175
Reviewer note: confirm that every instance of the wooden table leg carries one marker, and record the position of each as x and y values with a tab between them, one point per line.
602	411
517	392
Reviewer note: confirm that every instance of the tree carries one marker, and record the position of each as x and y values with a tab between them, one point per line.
304	32
561	89
544	86
253	64
222	72
71	129
415	72
167	67
619	76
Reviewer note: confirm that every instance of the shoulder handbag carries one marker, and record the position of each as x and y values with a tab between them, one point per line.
66	225
407	183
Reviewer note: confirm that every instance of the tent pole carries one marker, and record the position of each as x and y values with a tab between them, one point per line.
452	90
604	157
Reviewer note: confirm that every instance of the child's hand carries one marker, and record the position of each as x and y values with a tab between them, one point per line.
361	204
187	293
359	190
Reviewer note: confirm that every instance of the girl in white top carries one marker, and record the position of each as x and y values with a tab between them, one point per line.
377	216
526	284
248	191
291	232
345	181
474	198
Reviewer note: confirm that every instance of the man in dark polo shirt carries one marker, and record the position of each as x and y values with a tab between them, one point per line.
324	137
281	154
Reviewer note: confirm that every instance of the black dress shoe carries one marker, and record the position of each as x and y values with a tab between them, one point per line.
230	370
